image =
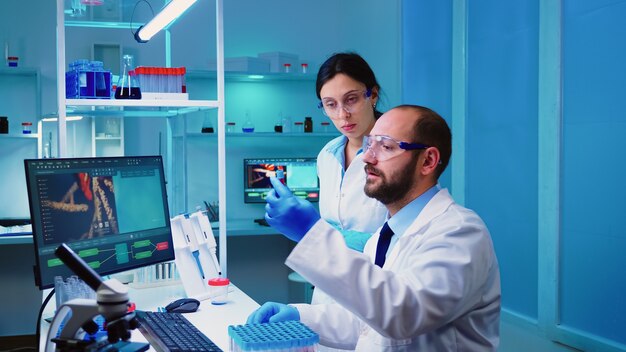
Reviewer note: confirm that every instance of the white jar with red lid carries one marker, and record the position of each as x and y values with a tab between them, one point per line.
218	290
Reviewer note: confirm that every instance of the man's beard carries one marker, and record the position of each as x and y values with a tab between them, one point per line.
389	190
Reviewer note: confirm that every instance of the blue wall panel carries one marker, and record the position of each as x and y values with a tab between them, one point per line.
501	172
427	58
593	237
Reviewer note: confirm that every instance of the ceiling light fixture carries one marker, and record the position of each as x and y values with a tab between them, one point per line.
168	14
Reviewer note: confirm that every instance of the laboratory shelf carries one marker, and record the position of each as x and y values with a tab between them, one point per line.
136	108
143	103
246	227
20	136
101	24
108	138
234	76
19	71
260	135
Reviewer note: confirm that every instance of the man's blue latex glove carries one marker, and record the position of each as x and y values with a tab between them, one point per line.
290	215
271	312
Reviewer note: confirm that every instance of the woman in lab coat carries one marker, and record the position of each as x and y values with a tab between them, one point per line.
348	93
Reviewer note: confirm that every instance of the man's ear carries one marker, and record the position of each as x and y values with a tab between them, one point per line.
430	160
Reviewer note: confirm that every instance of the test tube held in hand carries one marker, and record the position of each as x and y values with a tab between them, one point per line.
280	174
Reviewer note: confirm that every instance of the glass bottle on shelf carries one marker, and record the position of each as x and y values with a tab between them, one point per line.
248	125
207	125
298	127
278	127
286	124
112	127
308	124
128	85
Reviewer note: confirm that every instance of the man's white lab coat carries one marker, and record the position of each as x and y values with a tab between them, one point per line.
439	289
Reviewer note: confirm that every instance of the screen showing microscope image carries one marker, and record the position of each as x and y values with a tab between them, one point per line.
299	174
111	211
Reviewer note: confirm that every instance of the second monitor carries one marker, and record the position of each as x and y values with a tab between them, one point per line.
299	174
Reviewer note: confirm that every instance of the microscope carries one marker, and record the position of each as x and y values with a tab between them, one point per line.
111	302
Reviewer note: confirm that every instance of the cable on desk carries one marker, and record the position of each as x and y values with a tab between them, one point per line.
43	306
20	349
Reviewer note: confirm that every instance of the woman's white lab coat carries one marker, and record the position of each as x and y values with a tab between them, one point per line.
341	192
343	201
439	289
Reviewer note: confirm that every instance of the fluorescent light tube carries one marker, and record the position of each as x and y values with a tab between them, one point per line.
168	14
68	118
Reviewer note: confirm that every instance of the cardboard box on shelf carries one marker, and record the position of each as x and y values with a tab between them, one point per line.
243	64
277	61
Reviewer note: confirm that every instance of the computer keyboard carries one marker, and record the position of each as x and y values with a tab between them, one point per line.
173	332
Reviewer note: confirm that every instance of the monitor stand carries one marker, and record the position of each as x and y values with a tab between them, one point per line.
261	222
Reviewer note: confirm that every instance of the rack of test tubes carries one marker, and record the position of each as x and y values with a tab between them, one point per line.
284	336
162	82
71	288
162	274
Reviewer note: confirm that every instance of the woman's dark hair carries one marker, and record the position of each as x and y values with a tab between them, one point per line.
350	64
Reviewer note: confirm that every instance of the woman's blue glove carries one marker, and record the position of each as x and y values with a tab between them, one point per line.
290	215
271	312
355	240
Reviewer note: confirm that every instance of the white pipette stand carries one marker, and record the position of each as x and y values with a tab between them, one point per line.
206	244
187	265
194	248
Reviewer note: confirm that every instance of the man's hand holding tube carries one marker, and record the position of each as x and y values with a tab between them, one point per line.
290	215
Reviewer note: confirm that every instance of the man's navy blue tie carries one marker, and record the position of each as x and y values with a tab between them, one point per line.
383	244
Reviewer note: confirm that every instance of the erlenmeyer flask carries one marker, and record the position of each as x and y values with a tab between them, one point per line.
128	85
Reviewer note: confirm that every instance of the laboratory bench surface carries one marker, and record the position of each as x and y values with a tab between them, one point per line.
212	320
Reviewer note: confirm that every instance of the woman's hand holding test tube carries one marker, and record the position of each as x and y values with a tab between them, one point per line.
290	215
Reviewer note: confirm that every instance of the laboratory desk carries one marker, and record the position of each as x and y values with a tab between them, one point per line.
212	320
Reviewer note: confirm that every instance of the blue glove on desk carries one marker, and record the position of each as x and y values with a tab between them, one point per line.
290	215
271	312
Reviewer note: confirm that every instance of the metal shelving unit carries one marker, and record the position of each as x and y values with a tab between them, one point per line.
164	108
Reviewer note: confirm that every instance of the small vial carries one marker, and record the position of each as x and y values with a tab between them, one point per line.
12	61
27	127
230	127
305	68
218	290
287	68
298	127
325	126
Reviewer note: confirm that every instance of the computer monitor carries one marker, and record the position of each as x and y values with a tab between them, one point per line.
111	211
299	174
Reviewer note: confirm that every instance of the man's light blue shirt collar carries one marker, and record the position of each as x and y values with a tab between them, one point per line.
405	217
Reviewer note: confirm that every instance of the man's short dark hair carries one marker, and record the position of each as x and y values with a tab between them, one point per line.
431	129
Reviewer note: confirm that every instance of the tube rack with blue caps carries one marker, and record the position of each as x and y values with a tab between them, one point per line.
283	336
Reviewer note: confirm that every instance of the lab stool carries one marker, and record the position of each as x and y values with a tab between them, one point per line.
296	278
